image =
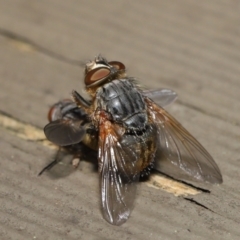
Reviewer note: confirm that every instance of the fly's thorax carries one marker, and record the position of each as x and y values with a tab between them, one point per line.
124	103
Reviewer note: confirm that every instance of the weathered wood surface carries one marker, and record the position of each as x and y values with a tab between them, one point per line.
192	47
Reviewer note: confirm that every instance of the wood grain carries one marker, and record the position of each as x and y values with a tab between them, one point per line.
189	46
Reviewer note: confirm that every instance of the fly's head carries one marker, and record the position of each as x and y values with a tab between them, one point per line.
99	72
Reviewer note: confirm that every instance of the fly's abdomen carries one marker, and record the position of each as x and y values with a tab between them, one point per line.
124	102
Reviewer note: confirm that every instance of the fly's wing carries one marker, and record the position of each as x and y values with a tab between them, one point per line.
118	168
180	153
64	132
162	97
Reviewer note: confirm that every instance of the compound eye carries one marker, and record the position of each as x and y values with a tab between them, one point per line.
117	65
51	113
96	75
54	113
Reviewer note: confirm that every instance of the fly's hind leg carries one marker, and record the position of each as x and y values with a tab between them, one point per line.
51	164
74	150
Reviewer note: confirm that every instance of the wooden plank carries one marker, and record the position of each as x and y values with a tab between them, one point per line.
191	47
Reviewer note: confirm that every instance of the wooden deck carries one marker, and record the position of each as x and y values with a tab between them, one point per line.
191	47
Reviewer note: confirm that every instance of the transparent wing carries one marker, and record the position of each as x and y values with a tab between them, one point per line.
118	168
162	97
65	132
179	154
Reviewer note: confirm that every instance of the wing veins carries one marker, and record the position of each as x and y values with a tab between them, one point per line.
180	148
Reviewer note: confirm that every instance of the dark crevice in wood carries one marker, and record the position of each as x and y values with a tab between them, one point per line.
203	206
193	186
14	36
197	203
182	181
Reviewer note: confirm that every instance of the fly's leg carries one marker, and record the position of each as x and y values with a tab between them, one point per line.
80	101
51	164
76	161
